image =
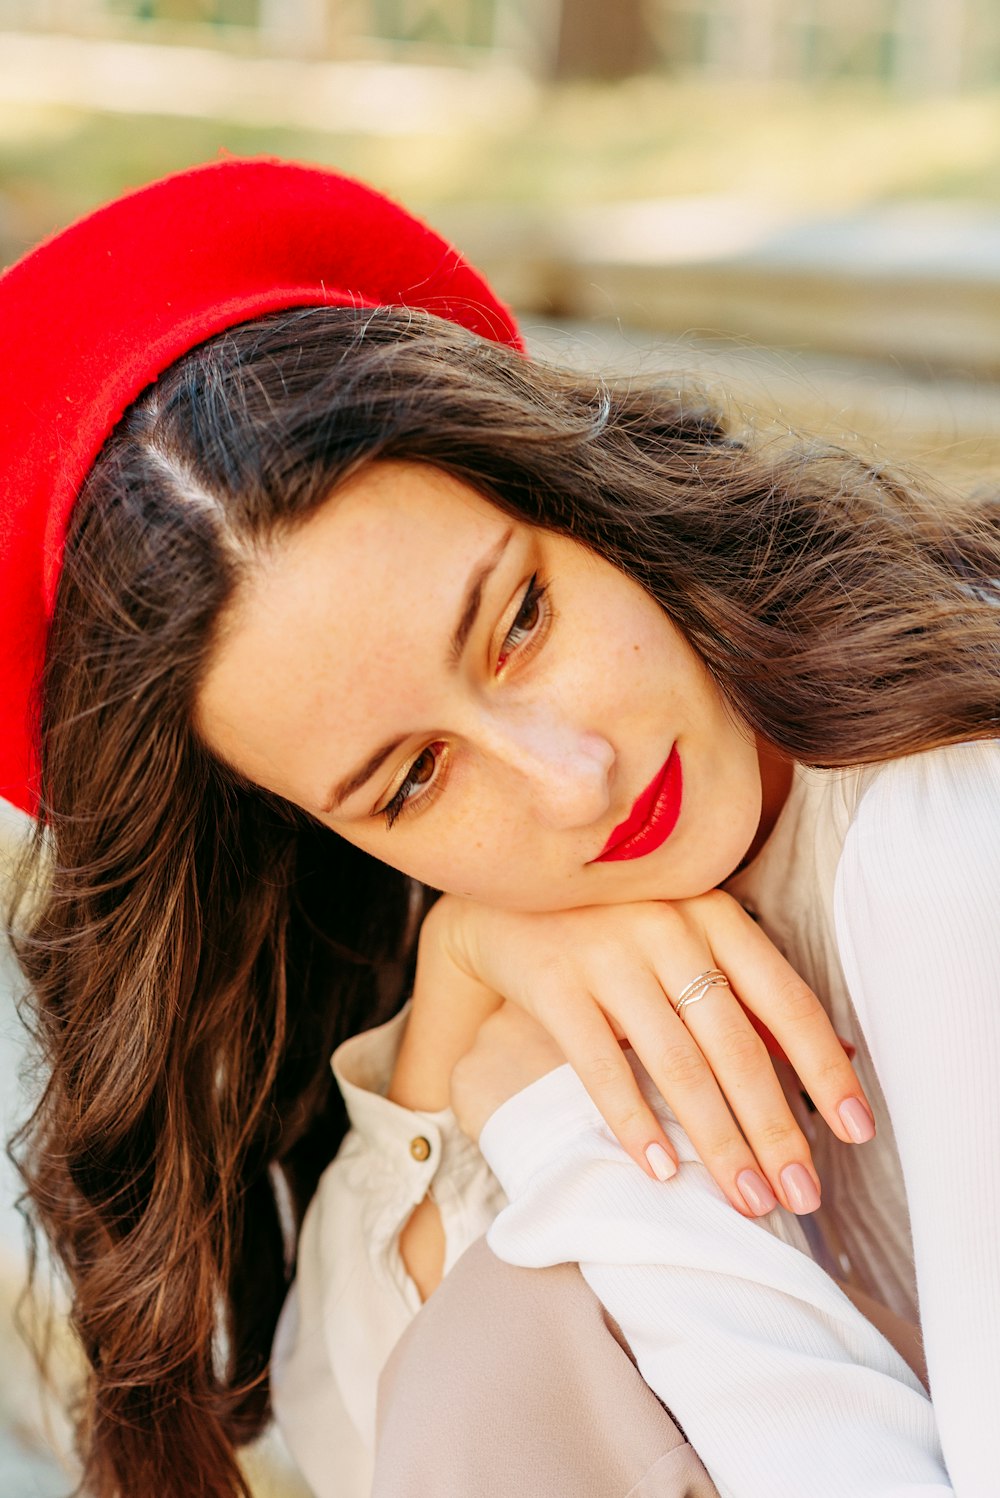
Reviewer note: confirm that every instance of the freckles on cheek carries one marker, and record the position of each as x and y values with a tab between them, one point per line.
479	868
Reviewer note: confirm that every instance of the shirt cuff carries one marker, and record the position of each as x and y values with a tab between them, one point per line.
535	1125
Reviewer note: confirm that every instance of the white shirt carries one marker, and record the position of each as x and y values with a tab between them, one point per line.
353	1299
780	1385
880	886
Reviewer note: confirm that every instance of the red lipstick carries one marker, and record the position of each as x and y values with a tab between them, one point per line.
652	818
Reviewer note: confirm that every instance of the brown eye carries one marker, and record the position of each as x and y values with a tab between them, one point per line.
530	614
529	617
422	769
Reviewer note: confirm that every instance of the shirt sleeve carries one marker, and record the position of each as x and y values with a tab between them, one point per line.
918	926
352	1298
782	1387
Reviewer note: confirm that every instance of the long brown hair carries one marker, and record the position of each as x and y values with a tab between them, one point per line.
199	948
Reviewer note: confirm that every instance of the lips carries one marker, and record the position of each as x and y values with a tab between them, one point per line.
652	818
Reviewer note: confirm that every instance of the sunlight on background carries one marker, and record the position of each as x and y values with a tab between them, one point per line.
796	200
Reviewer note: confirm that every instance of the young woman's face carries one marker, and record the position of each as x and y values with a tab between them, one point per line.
487	707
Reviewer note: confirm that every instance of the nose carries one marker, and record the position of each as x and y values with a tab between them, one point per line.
567	770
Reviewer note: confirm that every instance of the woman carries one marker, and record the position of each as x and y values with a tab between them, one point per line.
538	818
185	951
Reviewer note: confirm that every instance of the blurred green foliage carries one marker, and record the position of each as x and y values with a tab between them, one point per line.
835	149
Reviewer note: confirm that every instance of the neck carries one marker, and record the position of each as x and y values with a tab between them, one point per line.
776	771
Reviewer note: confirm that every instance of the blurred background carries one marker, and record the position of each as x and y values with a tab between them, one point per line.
797	201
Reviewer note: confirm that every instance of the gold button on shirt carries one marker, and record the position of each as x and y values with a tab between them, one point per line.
420	1147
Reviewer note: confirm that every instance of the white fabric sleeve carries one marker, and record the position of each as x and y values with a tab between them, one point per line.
918	925
353	1298
781	1386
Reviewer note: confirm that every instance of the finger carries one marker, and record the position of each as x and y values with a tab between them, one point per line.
588	1042
739	1059
772	990
722	1030
683	1072
685	1078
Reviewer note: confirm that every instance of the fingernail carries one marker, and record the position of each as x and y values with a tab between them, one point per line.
660	1162
857	1120
800	1188
756	1193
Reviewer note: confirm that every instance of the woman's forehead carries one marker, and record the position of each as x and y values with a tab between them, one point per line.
393	534
412	501
345	624
396	541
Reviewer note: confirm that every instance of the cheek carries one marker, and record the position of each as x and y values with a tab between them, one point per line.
479	852
487	856
608	659
626	630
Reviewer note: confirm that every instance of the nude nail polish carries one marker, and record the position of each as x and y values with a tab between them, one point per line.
756	1193
857	1120
800	1188
660	1162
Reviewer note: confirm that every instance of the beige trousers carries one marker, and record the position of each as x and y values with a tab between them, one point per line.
514	1383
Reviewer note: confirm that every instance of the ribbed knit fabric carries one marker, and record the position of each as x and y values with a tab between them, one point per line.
918	918
782	1387
790	889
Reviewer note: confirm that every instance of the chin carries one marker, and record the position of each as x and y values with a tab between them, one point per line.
697	879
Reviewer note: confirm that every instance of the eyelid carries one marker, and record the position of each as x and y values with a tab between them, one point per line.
538	591
396	784
430	791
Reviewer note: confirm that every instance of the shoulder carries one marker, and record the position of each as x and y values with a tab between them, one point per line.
955	772
915	899
930	819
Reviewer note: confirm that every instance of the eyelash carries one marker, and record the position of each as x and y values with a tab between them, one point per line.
535	595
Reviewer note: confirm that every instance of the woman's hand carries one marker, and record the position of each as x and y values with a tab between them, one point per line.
511	1051
449	1004
598	976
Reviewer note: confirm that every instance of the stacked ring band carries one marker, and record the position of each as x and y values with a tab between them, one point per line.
699	987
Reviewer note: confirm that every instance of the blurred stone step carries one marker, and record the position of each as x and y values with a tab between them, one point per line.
915	282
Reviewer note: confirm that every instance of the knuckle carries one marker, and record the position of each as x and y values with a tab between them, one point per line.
650	927
777	1136
832	1071
742	1050
683	1065
552	972
630	1119
711	905
796	1001
721	1144
600	1074
665	915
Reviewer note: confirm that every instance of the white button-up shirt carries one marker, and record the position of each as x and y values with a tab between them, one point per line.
353	1298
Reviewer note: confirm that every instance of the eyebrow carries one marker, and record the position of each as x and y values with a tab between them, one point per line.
474	597
471	603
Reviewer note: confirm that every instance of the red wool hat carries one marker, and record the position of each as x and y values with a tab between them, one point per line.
95	314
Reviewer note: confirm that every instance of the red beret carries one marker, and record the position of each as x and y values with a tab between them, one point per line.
93	315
